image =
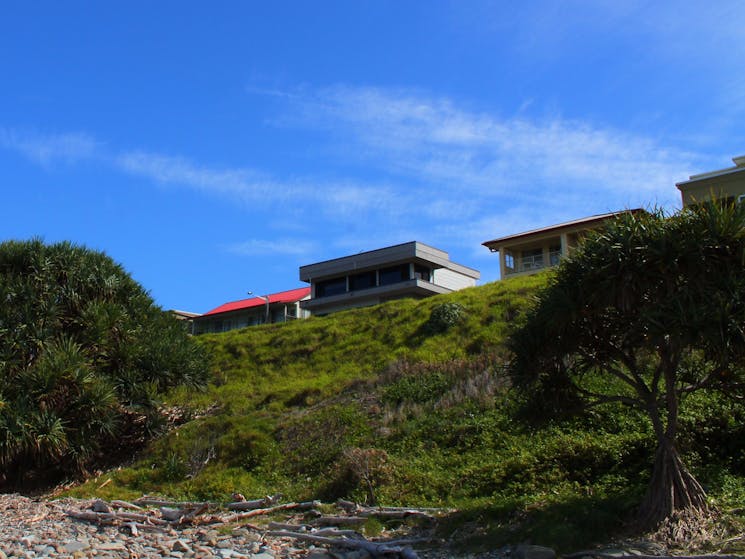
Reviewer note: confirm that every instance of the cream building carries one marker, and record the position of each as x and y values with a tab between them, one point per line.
725	184
532	251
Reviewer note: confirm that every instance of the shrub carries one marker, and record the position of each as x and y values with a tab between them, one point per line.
84	354
444	316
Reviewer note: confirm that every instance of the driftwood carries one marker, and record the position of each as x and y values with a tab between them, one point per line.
339	521
290	527
395	514
268	510
255	504
124	505
307	529
153	502
352	507
113	517
322	530
375	549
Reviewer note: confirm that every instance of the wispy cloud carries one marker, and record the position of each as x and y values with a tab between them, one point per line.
241	183
336	199
452	152
425	165
275	247
46	149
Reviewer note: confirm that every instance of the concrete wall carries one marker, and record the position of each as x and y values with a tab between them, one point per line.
452	280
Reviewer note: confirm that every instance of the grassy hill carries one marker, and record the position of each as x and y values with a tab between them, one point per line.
381	404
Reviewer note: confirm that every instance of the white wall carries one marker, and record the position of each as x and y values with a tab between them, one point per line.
452	280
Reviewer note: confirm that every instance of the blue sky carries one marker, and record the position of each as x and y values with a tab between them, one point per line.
212	148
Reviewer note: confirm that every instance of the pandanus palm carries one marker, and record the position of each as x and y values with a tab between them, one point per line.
79	338
657	305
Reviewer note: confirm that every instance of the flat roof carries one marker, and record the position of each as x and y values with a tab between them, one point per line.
387	256
583	221
739	167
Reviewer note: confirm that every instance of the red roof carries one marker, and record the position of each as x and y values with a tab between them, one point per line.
291	296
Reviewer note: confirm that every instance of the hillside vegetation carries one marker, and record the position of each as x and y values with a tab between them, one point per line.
388	405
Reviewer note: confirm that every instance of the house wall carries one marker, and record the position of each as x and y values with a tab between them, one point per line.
728	185
452	280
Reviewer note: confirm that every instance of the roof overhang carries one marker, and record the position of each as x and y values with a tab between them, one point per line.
541	233
413	251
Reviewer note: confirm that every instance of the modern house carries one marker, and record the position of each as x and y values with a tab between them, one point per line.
277	307
725	184
532	251
410	269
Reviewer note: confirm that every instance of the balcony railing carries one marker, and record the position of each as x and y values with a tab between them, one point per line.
528	263
535	262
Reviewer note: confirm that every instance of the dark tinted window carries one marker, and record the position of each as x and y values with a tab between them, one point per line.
394	274
365	280
330	287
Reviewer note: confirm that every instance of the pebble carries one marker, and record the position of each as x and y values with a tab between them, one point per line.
36	529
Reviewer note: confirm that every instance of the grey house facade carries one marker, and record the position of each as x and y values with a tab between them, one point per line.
407	270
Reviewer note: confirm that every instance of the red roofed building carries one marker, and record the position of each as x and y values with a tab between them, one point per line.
276	307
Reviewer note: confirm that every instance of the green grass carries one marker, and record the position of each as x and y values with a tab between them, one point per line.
318	408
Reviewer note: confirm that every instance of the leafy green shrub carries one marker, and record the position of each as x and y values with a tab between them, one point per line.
444	316
84	355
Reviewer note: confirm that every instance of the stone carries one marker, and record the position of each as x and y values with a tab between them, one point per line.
525	551
180	545
73	546
29	541
111	546
263	555
100	506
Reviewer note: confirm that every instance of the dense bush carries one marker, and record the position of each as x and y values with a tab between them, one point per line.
445	316
84	352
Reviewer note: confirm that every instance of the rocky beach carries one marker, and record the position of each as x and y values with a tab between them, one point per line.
33	528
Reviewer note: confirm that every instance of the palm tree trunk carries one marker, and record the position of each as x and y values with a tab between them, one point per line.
671	489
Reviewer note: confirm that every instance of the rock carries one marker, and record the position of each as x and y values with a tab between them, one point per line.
100	506
29	541
533	552
180	545
75	546
263	555
111	546
169	513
